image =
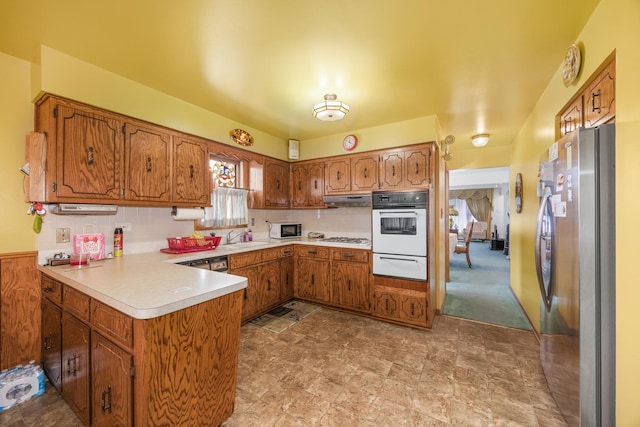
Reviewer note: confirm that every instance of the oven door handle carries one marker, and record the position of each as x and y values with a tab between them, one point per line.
399	259
398	212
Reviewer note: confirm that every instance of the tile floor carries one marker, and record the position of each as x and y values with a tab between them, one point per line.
335	369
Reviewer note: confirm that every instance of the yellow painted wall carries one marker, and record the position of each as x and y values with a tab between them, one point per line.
16	120
614	25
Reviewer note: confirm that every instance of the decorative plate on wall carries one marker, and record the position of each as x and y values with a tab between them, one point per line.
241	137
571	65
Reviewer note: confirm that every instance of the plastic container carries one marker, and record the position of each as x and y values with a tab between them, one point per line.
79	260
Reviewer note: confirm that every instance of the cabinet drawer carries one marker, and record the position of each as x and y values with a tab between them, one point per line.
112	323
245	259
353	255
51	289
402	305
286	251
76	302
312	252
270	254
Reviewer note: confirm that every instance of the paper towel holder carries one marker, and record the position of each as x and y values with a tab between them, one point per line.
175	211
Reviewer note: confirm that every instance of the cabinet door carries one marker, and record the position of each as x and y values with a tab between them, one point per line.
413	309
350	283
111	400
364	173
75	366
385	304
571	117
52	342
600	97
299	186
315	184
276	182
89	150
147	163
336	176
417	168
269	282
286	277
250	296
192	179
391	171
313	279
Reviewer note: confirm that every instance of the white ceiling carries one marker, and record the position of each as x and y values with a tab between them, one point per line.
480	66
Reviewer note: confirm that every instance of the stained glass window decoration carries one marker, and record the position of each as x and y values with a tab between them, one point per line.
224	173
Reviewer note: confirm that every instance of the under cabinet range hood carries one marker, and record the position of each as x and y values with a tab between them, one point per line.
348	200
83	209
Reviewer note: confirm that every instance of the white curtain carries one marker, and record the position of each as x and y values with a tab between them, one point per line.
228	208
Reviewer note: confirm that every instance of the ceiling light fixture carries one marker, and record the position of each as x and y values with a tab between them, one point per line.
331	109
480	140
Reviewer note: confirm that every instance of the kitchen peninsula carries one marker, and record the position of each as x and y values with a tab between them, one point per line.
137	341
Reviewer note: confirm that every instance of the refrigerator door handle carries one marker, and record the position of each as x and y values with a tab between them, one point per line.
544	242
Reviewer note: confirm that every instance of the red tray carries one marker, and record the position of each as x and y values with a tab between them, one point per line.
181	245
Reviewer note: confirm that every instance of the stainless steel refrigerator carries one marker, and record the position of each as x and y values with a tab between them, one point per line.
575	263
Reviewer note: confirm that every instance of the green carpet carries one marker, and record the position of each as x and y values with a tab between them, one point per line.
482	292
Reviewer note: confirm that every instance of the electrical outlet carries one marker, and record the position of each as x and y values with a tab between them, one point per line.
63	235
126	226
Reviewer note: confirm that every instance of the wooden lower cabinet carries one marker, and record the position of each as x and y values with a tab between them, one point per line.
350	279
312	273
112	393
250	293
406	306
75	366
180	369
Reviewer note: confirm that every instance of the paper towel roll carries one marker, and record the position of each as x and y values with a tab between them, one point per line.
187	214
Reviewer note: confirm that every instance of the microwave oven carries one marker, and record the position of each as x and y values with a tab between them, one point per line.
285	230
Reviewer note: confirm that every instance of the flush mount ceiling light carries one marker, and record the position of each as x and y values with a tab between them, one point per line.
331	109
480	140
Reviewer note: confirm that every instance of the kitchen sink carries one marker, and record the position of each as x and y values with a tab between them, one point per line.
242	245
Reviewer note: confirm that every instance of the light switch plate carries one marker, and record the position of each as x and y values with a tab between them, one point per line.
63	235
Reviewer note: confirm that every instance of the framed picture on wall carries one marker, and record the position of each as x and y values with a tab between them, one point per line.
518	193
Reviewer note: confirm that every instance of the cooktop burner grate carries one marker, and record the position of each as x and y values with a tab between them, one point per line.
352	240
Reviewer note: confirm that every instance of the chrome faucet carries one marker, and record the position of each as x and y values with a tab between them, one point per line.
230	237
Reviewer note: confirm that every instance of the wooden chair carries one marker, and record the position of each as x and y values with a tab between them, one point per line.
463	247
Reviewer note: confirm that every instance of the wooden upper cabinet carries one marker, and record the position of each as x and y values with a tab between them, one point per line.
192	179
307	185
276	183
405	169
571	118
147	163
418	167
599	98
364	173
89	150
337	178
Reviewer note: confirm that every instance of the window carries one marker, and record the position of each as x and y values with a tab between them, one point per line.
228	204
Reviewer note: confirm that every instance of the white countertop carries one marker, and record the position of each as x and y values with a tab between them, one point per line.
149	285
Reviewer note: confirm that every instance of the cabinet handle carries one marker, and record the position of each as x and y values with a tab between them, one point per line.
90	156
347	255
148	164
313	252
338	176
393	170
299	185
268	284
417	168
386	304
312	279
593	101
191	171
349	284
365	172
278	184
315	184
245	293
412	308
48	289
73	359
48	342
106	400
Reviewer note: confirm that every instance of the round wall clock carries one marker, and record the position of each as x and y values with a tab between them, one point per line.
519	193
349	142
571	65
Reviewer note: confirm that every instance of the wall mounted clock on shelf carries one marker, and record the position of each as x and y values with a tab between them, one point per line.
349	142
571	65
